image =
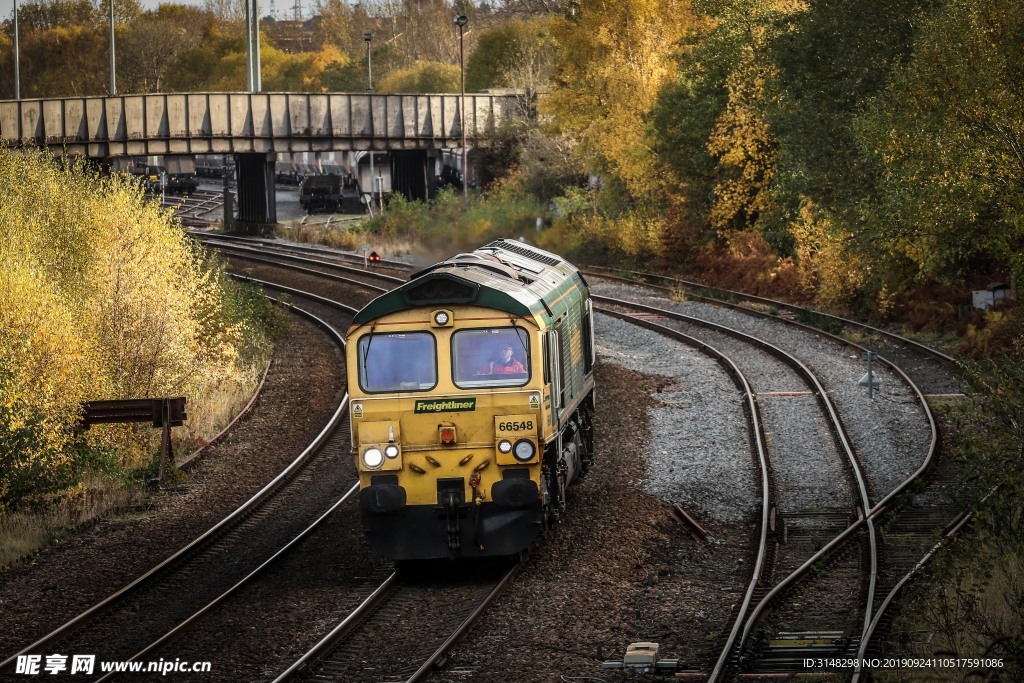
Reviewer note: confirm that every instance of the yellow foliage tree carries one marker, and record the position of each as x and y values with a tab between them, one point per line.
614	59
422	77
746	150
825	263
101	297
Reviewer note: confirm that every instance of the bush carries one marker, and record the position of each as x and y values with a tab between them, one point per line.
104	297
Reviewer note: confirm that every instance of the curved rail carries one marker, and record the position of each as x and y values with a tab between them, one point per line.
773	303
282	252
222	527
877	510
843	441
757	429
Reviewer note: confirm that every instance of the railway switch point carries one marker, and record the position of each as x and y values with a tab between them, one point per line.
642	658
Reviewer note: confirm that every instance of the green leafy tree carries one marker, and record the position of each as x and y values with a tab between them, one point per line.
946	141
61	62
216	63
712	136
516	54
150	44
831	57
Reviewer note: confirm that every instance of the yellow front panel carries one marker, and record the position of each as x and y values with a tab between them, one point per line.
476	413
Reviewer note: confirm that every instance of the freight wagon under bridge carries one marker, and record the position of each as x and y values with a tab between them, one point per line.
255	126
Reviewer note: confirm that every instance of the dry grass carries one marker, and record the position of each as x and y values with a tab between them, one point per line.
679	295
214	410
348	236
23	533
338	235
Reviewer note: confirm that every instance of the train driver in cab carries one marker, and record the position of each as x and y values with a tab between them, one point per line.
505	364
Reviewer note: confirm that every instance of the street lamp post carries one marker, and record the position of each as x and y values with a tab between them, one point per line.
113	77
368	37
461	20
253	76
17	56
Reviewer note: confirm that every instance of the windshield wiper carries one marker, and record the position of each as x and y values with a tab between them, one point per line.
366	352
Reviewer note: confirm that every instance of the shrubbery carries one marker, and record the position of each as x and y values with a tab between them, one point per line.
102	297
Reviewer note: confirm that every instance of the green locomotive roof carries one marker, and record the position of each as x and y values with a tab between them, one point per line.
505	275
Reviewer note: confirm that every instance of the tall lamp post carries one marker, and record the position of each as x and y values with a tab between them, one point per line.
461	21
113	77
368	37
254	80
17	56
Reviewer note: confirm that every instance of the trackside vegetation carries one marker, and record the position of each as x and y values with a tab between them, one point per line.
102	296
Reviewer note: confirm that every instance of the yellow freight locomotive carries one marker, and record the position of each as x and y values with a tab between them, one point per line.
472	402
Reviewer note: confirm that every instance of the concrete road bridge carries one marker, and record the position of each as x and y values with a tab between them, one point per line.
256	126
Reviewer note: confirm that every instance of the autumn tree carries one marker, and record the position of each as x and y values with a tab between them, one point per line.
613	59
102	296
216	63
517	54
337	26
227	11
151	43
51	14
833	56
422	77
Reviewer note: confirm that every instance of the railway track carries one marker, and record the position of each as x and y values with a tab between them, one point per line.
899	350
430	604
141	617
829	455
917	529
909	523
199	209
433	599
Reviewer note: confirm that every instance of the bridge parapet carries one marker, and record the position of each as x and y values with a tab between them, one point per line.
219	123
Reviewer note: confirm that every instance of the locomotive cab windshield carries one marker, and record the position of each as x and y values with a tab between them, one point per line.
490	357
397	362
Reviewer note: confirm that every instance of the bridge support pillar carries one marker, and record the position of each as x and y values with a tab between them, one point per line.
257	200
412	173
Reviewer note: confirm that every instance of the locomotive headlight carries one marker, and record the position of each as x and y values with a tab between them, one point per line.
373	458
391	451
524	450
505	446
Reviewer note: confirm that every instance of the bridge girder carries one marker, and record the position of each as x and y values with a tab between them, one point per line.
241	123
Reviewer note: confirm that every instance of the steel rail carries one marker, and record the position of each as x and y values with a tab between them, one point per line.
466	625
923	348
346	626
334	423
184	624
951	531
839	433
197	454
214	240
756	427
245	255
879	508
225	525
